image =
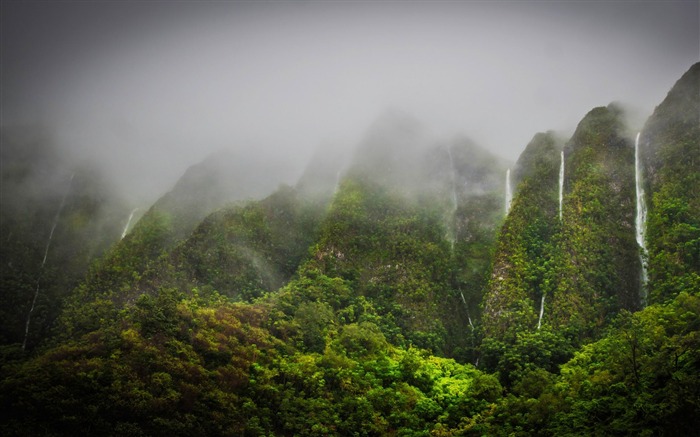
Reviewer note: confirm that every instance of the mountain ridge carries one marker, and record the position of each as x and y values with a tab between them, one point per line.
401	297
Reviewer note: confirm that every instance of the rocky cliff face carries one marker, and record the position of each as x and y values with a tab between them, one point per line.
573	273
596	264
670	153
517	284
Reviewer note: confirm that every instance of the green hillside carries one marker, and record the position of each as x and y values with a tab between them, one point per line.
391	294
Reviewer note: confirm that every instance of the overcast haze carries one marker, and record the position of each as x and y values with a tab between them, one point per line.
147	89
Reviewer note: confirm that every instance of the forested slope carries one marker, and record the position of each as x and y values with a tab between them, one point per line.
398	298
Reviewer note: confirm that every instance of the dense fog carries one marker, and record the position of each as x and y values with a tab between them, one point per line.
142	91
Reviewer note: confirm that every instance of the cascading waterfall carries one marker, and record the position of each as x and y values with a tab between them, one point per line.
43	261
128	222
509	192
464	301
539	321
640	219
561	185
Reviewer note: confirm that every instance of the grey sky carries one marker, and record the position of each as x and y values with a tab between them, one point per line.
147	89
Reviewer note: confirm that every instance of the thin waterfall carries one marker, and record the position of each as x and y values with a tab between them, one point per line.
471	325
539	321
467	307
640	219
561	185
453	175
509	192
43	261
128	222
453	180
337	182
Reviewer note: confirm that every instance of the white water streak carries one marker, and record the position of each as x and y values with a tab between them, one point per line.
337	183
509	192
454	180
640	220
467	307
43	262
641	217
539	322
561	185
128	222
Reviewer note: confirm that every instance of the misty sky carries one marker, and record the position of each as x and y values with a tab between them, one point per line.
147	89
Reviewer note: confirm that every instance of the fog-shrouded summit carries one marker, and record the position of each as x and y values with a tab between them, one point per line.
322	175
147	89
223	177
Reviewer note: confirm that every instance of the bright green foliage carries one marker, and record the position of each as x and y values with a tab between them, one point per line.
642	379
191	367
386	391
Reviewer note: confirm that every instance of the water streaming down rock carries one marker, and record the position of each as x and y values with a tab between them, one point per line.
561	185
453	174
467	307
509	192
337	182
128	222
453	180
539	321
640	219
43	261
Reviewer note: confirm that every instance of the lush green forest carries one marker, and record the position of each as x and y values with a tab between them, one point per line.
393	295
